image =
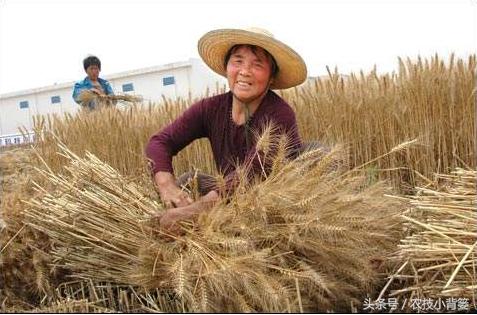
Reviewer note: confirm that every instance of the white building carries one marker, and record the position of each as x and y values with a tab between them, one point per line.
172	80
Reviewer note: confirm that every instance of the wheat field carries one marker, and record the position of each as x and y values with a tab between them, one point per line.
321	233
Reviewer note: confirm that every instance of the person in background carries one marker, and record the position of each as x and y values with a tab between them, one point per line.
254	63
92	83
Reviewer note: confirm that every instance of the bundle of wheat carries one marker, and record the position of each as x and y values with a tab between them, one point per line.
303	239
98	214
87	96
438	259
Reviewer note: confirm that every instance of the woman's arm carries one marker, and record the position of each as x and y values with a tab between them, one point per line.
166	144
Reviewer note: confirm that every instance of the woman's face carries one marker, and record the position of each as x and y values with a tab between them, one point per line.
93	72
248	73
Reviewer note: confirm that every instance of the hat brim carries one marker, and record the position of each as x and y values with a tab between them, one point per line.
214	45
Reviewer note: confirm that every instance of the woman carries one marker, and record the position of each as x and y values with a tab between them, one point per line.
92	82
253	63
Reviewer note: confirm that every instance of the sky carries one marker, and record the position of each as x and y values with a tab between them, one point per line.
44	42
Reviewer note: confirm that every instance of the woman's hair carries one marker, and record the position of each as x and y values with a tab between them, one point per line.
91	61
253	48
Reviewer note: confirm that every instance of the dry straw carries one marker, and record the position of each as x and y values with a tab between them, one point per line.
107	100
430	100
290	243
439	257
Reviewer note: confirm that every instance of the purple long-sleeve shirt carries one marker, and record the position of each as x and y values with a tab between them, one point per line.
212	118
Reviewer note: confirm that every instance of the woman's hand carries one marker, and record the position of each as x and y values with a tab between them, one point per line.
97	91
169	221
171	195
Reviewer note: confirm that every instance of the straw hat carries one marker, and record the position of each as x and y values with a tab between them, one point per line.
214	45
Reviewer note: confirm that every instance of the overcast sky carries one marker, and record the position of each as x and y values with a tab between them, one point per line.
43	42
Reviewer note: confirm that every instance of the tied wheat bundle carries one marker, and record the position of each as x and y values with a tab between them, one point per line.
87	96
303	239
94	217
438	260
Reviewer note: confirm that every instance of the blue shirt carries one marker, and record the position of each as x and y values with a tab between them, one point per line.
86	84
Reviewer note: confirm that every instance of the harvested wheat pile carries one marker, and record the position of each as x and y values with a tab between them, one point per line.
15	174
438	260
14	163
304	239
21	262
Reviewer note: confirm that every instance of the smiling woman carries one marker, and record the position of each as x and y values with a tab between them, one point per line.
249	75
253	62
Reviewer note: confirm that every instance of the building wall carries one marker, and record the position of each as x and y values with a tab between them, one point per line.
12	116
193	78
40	103
45	105
151	85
